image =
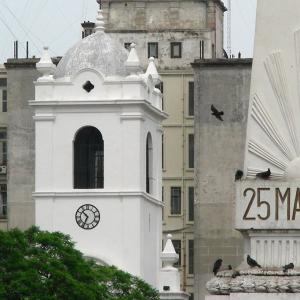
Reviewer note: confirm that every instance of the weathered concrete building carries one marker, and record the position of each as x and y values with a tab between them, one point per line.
175	33
219	153
3	148
20	89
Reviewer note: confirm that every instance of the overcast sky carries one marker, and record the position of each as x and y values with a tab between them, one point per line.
56	23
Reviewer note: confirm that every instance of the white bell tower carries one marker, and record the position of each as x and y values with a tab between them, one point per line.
98	153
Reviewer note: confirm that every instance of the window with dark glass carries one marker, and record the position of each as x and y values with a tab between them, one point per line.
127	46
4	100
175	200
162	199
191	203
201	49
191	257
3	201
191	151
149	162
175	50
3	147
88	159
213	50
153	50
177	247
162	152
191	98
191	297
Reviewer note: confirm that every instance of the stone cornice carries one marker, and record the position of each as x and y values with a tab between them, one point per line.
221	62
255	281
96	194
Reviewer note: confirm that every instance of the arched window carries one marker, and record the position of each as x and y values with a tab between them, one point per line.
88	159
149	164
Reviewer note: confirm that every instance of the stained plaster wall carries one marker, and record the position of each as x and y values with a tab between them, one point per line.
219	152
20	76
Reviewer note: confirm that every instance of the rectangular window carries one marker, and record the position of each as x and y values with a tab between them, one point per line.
201	49
162	152
191	203
177	247
175	200
4	100
162	199
191	151
213	50
153	50
176	50
191	98
3	201
191	296
3	146
127	46
191	257
3	82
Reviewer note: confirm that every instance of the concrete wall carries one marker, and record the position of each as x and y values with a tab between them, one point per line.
3	125
20	77
156	15
188	22
219	152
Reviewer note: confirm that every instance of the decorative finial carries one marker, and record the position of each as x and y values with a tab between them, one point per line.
46	66
169	255
151	70
100	20
132	63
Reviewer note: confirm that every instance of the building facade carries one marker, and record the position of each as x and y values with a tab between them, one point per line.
21	73
174	33
219	153
3	148
98	153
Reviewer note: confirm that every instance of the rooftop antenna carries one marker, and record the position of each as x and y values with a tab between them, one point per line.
228	28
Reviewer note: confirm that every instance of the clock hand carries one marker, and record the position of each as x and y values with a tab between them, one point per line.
86	216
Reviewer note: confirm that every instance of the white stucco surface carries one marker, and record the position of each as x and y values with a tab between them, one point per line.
273	137
125	109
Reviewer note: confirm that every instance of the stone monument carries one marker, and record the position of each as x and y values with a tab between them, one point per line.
268	205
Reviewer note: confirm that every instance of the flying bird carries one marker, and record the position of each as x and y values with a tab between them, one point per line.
216	113
251	262
217	266
290	266
239	175
264	175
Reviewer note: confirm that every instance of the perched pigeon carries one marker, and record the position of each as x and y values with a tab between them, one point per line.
264	175
288	267
217	266
235	274
216	113
238	175
229	267
252	263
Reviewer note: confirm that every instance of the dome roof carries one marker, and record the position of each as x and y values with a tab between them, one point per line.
97	51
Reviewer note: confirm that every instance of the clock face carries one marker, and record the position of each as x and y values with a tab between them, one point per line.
87	216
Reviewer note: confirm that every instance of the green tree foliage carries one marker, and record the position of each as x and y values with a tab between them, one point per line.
39	265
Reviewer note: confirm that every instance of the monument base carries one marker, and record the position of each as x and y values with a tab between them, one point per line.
256	281
255	296
173	296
